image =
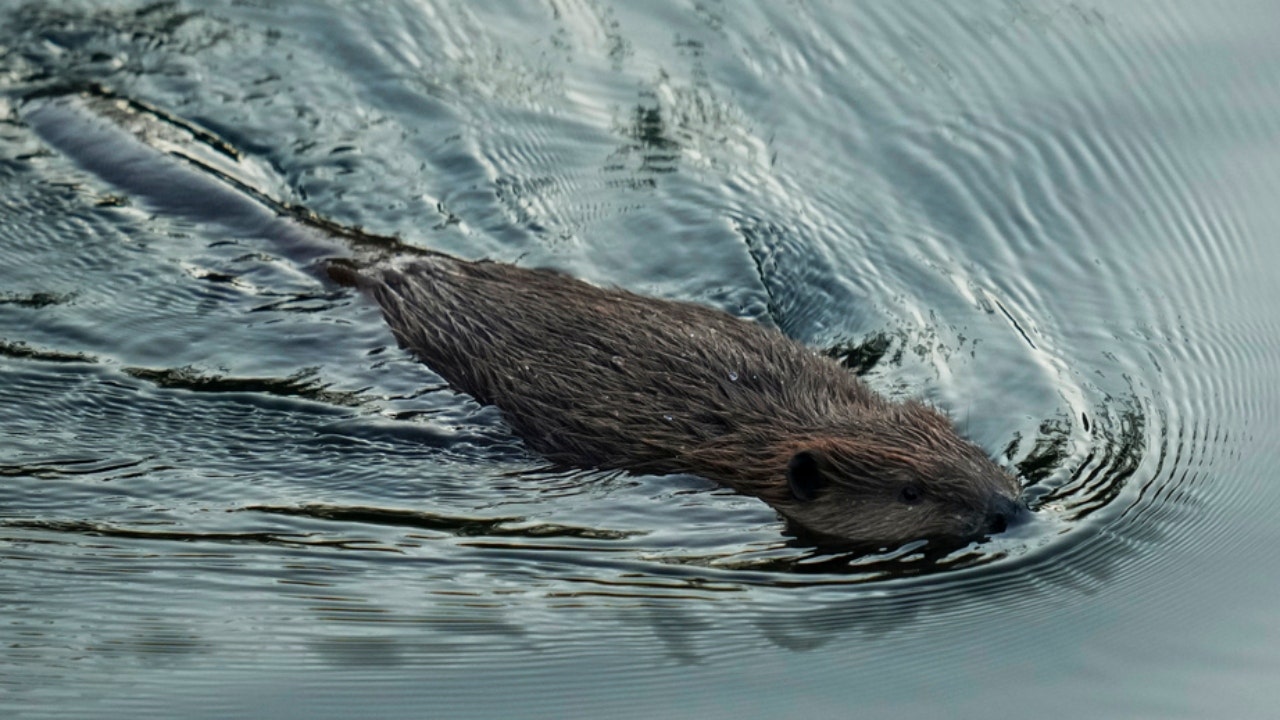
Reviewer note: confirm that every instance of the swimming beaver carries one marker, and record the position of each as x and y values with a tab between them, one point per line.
593	377
604	378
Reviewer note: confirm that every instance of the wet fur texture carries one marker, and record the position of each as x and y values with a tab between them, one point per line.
603	378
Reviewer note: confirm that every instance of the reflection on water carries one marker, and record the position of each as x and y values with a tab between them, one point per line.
222	482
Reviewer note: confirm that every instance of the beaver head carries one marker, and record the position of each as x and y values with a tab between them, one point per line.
881	479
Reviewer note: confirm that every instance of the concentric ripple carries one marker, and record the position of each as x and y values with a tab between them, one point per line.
222	485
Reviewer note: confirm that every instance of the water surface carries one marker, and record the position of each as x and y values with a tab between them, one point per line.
225	492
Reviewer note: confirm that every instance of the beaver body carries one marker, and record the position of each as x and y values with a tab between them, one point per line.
603	378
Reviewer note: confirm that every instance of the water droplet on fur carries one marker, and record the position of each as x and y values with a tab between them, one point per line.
733	376
668	418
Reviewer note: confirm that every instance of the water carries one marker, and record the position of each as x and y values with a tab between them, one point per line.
224	492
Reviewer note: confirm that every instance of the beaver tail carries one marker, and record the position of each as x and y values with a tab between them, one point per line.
177	168
347	273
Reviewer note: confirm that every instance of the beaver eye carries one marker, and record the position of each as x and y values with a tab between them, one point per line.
804	476
910	494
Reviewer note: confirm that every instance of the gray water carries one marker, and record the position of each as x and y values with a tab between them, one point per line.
225	492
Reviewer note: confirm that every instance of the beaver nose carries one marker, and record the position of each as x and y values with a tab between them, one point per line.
1005	511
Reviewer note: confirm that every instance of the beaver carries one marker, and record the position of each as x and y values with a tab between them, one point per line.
594	377
602	378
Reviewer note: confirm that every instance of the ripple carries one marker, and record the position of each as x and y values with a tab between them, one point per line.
460	526
1048	219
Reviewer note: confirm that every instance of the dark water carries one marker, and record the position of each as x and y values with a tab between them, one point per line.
224	492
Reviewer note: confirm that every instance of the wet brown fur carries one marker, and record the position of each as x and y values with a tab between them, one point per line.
603	378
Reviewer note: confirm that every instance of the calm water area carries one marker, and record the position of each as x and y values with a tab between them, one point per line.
226	492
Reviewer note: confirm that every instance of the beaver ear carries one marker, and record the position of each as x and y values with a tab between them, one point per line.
804	475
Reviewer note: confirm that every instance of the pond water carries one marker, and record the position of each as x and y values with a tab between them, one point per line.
225	492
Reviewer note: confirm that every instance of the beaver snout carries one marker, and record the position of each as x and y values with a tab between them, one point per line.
1004	512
